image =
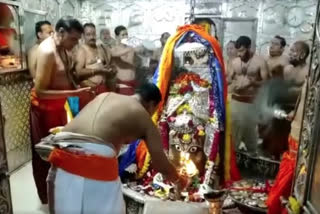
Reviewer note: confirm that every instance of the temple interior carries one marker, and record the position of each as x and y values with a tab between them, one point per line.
240	87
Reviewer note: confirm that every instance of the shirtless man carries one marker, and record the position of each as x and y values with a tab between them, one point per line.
53	84
298	69
247	74
101	128
231	54
43	30
276	56
123	58
163	39
106	38
93	67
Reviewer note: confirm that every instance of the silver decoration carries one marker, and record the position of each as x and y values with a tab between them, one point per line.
181	123
210	129
203	71
199	104
309	138
173	103
174	107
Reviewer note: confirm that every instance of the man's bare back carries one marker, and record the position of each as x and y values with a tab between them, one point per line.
120	119
247	76
115	118
32	60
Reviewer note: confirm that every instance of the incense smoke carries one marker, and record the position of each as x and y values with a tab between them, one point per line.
272	98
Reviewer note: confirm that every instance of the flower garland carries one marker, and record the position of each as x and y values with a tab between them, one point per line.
182	83
185	79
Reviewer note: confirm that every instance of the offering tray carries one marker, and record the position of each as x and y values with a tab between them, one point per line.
250	195
140	203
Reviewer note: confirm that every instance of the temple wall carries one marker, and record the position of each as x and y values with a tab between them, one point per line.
260	19
15	86
51	10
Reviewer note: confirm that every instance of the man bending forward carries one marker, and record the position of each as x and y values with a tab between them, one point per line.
84	173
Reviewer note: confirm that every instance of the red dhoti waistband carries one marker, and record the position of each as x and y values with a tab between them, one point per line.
47	104
91	166
131	83
130	90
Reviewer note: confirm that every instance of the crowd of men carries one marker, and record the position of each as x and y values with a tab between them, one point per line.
62	68
247	71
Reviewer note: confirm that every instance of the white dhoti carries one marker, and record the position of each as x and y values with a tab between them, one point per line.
75	194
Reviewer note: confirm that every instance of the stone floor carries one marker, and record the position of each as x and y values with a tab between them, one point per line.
24	194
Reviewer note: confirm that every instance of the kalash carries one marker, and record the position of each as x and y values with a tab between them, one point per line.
192	119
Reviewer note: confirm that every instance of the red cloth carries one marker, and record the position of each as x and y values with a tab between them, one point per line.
44	115
130	90
5	35
86	98
234	170
283	182
94	167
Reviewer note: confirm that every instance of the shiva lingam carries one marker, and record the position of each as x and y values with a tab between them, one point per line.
186	140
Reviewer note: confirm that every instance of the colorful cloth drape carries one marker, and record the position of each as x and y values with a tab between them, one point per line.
219	91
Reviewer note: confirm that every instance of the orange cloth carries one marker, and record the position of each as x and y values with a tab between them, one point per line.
283	182
141	153
91	166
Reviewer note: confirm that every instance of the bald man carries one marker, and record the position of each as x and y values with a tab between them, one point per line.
298	68
84	175
105	37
